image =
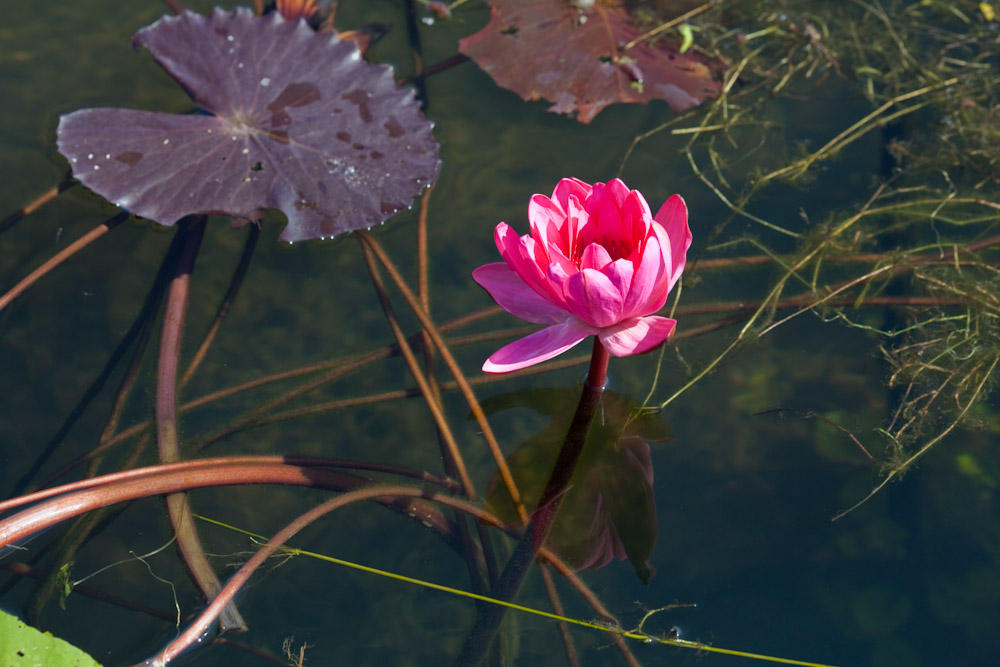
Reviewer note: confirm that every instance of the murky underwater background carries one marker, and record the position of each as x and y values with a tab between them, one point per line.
744	502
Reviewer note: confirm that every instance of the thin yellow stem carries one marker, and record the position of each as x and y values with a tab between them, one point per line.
428	324
431	397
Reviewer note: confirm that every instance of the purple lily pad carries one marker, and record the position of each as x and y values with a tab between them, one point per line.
299	122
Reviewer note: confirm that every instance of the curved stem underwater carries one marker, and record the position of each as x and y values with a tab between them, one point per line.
95	493
206	619
191	231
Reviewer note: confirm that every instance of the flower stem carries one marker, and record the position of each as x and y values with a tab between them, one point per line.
590	400
488	623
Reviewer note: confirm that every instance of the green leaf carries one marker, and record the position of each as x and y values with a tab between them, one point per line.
64	584
23	646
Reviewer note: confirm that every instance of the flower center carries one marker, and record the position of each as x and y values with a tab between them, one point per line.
617	248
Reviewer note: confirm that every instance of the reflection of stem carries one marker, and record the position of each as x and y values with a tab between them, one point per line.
25	570
488	622
416	52
138	333
569	454
137	339
74	538
227	301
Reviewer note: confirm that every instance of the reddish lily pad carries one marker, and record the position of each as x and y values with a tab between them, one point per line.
298	121
573	55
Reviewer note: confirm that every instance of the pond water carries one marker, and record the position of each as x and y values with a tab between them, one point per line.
744	502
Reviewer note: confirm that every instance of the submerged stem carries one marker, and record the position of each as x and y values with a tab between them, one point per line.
60	257
37	203
192	230
463	384
227	301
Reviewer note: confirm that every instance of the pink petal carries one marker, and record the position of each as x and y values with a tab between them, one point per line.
527	259
558	274
637	335
673	218
642	297
565	264
506	239
538	347
579	230
570	186
604	206
591	296
619	272
546	219
615	190
594	256
514	295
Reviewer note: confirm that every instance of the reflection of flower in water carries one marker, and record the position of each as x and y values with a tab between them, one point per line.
608	510
629	465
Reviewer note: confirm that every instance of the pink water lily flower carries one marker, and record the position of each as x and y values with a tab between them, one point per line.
597	263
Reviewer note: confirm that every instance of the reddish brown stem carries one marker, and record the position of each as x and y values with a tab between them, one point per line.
39	202
477	411
416	51
192	230
60	257
174	6
431	397
180	466
160	480
185	476
440	66
204	622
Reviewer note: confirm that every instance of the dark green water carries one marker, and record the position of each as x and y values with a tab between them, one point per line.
744	503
